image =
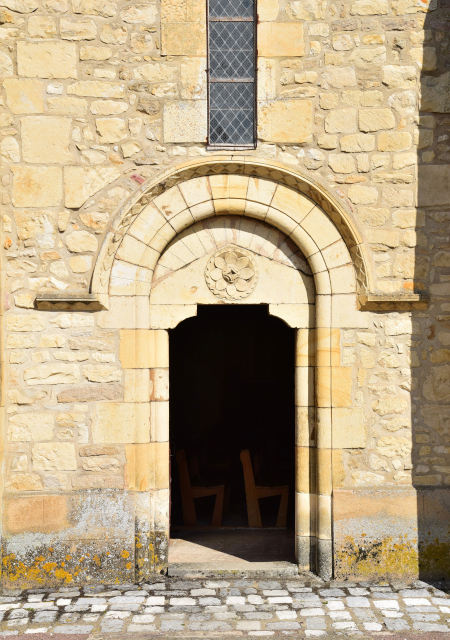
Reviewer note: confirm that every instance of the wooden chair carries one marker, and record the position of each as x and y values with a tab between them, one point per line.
189	492
253	493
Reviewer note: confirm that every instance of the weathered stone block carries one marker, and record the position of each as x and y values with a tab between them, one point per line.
36	186
118	422
280	39
46	139
286	121
31	427
183	39
349	428
341	121
24	95
50	59
54	456
52	374
82	182
185	121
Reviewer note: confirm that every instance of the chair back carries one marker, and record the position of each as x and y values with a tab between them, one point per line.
249	478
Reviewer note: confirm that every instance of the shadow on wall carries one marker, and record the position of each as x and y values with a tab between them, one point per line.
430	392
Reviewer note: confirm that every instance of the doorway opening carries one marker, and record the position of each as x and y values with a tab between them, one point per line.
232	437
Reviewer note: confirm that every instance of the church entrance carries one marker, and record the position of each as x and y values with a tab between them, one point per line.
232	437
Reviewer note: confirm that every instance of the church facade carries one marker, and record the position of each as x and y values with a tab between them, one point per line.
160	156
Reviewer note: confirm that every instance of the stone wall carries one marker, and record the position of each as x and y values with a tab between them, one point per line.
99	98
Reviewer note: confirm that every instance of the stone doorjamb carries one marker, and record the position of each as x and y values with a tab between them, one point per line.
122	280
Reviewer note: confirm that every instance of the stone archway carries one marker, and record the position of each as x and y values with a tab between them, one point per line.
127	266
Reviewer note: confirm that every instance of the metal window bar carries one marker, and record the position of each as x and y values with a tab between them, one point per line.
231	73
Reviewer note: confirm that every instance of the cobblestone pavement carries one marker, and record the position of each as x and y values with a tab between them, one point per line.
252	606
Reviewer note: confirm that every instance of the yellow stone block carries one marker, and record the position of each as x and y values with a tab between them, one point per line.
324	482
136	384
341	386
121	422
280	39
148	466
323	386
183	39
349	428
36	186
294	204
144	348
228	186
286	121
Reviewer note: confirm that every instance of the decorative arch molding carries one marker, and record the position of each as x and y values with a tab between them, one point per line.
234	199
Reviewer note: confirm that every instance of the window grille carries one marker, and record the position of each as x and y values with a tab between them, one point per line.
231	72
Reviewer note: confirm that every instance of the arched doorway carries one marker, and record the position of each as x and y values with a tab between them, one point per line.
232	382
132	269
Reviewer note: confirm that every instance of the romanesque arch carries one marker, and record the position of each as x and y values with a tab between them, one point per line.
129	264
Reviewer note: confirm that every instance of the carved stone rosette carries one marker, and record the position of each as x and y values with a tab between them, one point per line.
231	274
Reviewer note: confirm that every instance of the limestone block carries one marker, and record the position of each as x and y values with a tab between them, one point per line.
399	77
117	422
357	142
144	349
114	33
46	139
425	57
104	8
82	182
392	447
141	43
75	320
306	10
28	322
148	466
159	384
36	186
193	78
376	119
345	314
111	129
9	149
101	464
437	384
341	163
41	27
24	482
6	65
89	52
286	121
363	98
67	106
294	204
294	315
341	386
54	456
49	59
396	197
366	58
362	195
126	312
81	241
168	316
159	421
268	10
137	385
37	224
349	429
185	121
401	326
52	374
394	141
388	404
20	6
139	14
91	393
383	237
30	427
183	39
341	121
102	373
77	29
157	72
97	89
24	95
369	8
367	478
428	177
280	39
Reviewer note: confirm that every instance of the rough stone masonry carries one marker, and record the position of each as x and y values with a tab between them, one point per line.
106	172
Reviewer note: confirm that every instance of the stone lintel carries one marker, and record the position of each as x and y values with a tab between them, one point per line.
72	301
395	302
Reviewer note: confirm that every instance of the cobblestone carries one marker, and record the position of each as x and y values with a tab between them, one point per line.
247	607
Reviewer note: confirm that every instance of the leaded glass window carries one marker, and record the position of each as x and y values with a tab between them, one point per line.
231	72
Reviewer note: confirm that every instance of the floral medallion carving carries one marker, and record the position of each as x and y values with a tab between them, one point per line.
231	274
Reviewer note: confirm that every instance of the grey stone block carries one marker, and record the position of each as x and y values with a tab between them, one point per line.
74	628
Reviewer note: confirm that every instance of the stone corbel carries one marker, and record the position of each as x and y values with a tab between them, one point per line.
393	302
68	301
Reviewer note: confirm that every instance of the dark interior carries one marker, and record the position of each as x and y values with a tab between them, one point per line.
232	388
